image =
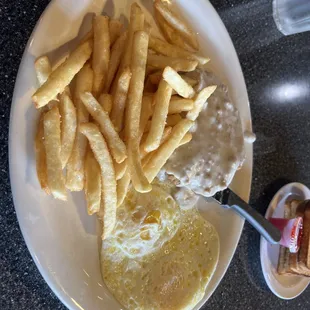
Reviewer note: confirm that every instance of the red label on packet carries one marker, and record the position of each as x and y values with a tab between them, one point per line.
291	231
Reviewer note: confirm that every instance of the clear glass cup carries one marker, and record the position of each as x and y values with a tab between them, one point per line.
292	16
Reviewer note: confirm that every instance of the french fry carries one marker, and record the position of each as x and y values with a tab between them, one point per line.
68	127
173	119
172	19
120	169
177	83
88	36
161	107
56	181
62	76
101	54
133	111
146	112
115	28
147	127
105	100
156	77
199	102
122	187
150	70
104	159
186	139
41	156
116	54
178	64
163	153
147	156
75	165
43	69
170	50
188	80
116	145
179	104
149	86
119	99
92	184
136	24
171	34
164	137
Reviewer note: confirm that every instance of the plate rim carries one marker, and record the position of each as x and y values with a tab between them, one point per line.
47	278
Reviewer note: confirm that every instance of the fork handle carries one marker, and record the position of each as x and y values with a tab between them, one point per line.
271	233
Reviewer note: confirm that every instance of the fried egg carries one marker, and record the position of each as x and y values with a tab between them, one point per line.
158	256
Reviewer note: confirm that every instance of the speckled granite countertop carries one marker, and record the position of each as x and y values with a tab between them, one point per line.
276	70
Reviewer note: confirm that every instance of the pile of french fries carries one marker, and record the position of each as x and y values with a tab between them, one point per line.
116	109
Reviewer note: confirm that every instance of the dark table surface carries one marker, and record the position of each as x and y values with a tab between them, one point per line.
276	70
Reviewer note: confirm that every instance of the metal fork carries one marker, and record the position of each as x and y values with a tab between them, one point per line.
229	199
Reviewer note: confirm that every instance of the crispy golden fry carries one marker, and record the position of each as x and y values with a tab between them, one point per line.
146	112
179	104
156	77
147	156
122	187
172	19
75	165
163	153
170	50
147	27
120	169
161	107
116	54
177	83
147	127
178	64
68	127
105	100
199	102
119	99
150	70
62	76
43	69
188	80
186	139
136	24
41	156
173	119
116	145
104	159
92	184
88	36
164	137
171	34
133	111
101	54
56	181
149	86
115	28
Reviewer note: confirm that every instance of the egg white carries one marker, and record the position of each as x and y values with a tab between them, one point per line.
158	256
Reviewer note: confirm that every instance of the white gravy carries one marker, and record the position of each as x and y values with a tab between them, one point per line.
208	163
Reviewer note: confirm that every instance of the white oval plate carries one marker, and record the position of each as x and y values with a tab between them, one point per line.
61	237
283	286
